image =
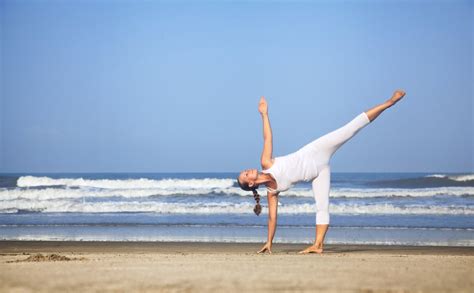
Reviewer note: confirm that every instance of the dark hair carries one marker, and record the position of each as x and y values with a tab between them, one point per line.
258	208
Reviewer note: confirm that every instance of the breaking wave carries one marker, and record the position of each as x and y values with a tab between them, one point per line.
61	206
465	177
434	180
142	183
42	188
77	193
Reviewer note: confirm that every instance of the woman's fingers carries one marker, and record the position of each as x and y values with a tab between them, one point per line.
262	105
265	249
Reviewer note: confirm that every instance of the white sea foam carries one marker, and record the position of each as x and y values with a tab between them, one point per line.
464	177
86	192
389	192
142	183
62	193
436	176
222	208
229	239
467	177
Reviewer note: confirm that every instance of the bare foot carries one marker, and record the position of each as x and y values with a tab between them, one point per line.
312	249
397	96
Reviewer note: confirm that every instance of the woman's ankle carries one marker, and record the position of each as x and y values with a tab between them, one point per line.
318	244
389	103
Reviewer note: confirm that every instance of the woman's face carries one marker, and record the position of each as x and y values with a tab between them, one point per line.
248	176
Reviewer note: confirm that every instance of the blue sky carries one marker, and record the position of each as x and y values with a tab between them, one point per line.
150	86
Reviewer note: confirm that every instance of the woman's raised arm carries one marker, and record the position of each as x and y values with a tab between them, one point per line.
266	160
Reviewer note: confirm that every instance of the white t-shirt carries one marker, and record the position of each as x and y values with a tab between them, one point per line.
289	169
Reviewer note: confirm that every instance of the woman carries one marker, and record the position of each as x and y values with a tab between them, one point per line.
310	163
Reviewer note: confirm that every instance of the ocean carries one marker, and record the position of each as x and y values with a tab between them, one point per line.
366	208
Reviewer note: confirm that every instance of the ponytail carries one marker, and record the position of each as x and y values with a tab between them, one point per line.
258	208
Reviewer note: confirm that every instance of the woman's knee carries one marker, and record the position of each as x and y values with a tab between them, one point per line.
322	217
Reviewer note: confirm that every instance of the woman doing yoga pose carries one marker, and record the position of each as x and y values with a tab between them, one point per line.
310	163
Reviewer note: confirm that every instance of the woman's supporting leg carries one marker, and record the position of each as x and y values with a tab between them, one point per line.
377	110
321	187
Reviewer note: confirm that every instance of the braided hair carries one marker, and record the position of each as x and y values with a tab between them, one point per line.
258	208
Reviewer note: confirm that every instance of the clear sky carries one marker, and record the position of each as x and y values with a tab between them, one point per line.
173	86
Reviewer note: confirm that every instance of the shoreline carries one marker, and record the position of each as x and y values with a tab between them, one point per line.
11	246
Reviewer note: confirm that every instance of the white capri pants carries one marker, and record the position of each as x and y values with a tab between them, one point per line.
322	150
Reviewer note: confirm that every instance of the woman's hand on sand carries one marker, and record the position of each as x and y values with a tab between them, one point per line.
263	106
266	248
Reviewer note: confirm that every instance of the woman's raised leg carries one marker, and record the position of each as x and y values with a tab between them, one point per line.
329	143
325	146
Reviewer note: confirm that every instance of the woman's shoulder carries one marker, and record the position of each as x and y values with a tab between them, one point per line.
272	191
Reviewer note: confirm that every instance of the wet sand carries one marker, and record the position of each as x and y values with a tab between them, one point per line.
27	266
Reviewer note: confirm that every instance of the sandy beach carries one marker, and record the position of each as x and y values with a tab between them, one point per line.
231	267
